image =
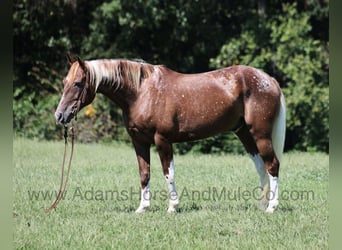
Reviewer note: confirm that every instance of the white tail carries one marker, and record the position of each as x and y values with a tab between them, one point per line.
279	129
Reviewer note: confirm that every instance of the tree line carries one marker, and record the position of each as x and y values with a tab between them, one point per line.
287	39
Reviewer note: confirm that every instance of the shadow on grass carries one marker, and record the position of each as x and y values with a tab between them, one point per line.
241	207
189	208
216	207
286	208
193	207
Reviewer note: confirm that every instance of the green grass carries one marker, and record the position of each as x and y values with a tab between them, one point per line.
83	221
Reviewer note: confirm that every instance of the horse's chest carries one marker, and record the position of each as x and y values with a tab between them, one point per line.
141	122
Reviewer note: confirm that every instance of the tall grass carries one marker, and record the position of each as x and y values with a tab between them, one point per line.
103	192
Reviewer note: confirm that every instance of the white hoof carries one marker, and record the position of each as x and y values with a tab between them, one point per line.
269	210
141	210
271	207
263	204
171	210
173	206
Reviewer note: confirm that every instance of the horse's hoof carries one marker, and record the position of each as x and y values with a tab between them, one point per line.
173	204
141	210
271	207
171	210
263	205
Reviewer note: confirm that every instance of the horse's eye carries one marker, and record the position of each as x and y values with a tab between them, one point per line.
78	84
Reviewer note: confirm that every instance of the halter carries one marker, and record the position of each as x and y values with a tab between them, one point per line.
81	97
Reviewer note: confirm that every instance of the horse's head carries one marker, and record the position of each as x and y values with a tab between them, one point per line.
77	92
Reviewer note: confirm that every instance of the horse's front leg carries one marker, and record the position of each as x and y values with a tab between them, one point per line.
143	155
165	151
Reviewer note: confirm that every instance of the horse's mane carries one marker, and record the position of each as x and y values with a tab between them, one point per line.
118	71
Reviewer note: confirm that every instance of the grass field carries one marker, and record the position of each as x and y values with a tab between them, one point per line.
218	208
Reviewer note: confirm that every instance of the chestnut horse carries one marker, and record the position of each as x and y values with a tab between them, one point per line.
161	107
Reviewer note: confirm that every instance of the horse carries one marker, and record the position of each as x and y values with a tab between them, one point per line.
161	107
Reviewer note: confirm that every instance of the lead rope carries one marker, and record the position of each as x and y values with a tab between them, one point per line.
63	184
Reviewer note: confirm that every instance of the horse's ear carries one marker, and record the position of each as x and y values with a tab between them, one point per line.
69	58
82	64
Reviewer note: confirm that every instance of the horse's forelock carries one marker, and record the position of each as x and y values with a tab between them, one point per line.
70	78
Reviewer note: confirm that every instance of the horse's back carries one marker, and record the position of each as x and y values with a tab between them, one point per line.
235	78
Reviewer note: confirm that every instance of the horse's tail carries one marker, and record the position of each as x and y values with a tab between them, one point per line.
279	129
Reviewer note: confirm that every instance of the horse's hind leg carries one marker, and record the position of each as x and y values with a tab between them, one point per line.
260	149
250	145
269	197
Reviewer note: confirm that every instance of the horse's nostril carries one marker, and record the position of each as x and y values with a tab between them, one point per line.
59	117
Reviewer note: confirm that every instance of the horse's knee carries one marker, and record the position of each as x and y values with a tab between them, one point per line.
144	178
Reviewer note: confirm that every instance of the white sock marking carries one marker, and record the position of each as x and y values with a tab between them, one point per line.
170	180
269	185
273	194
145	199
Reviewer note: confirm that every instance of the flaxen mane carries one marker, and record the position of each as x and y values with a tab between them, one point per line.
115	72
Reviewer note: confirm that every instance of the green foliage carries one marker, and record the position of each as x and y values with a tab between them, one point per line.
34	119
287	39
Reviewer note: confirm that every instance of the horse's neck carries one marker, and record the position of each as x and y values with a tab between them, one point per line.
122	97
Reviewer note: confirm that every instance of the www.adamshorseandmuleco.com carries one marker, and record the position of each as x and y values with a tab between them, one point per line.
214	194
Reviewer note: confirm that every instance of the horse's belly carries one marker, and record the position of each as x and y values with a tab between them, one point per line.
207	124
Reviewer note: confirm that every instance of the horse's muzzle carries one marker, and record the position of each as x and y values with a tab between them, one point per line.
63	118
